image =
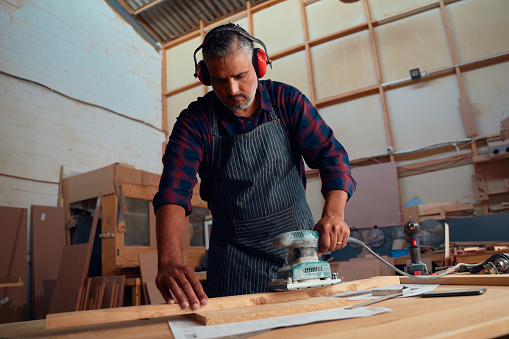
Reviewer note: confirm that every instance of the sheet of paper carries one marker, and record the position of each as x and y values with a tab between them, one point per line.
185	328
409	290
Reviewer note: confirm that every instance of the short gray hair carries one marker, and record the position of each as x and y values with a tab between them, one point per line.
226	40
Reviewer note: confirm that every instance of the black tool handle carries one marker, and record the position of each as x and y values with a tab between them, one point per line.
416	267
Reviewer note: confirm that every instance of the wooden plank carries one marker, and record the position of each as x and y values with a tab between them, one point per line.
139	191
269	310
71	319
467	116
11	282
463	279
108	224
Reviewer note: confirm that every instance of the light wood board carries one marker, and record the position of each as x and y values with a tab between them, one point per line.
463	279
269	310
70	319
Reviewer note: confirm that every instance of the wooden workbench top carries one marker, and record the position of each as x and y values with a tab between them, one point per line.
483	316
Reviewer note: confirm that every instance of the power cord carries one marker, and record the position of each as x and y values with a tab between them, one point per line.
418	277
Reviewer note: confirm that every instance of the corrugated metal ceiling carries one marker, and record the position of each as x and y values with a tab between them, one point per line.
165	20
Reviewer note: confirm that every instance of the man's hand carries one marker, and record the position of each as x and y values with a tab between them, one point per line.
334	231
183	284
173	276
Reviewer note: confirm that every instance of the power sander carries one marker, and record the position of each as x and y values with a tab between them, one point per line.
303	270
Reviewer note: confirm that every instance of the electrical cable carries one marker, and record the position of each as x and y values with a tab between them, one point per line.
418	277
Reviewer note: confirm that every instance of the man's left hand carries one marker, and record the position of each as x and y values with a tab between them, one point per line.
334	231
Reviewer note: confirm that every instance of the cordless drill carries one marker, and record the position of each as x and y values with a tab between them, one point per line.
416	267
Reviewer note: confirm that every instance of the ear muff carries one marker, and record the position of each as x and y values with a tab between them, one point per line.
260	59
260	62
202	73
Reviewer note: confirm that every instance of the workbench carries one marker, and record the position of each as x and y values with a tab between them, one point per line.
482	316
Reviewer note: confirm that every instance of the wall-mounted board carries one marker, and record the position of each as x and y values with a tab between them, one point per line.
376	200
343	65
330	16
279	26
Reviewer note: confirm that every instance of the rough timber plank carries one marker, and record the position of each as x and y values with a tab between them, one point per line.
81	318
269	310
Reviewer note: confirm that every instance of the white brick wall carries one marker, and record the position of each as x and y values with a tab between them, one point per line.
84	50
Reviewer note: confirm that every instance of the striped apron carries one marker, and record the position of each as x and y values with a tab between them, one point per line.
256	194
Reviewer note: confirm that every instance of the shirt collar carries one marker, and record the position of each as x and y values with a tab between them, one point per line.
265	104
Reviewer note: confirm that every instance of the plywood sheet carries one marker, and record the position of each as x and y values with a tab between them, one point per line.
425	114
439	186
148	269
419	41
343	65
376	200
368	138
292	70
269	310
48	242
479	28
385	8
180	63
489	102
176	103
279	34
331	16
13	263
71	275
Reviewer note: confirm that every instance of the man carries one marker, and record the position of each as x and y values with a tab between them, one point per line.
247	140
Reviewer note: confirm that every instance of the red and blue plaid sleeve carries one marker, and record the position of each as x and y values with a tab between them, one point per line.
315	139
181	161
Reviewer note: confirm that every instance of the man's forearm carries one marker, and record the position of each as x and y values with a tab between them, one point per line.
335	202
170	223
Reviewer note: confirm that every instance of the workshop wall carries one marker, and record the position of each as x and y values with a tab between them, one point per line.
343	80
79	88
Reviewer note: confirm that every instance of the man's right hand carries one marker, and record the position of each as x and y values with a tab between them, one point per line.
173	276
183	284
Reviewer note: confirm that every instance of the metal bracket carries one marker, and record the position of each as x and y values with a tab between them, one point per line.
107	235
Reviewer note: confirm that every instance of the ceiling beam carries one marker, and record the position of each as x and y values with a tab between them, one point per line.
147	6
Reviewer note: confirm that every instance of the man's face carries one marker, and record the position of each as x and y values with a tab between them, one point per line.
234	81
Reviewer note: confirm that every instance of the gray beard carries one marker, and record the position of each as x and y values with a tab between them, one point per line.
239	107
236	107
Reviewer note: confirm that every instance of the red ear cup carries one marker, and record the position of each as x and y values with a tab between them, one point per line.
259	62
203	73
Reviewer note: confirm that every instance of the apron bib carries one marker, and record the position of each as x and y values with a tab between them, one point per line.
256	194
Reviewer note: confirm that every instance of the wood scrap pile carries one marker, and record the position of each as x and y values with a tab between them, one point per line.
438	211
103	292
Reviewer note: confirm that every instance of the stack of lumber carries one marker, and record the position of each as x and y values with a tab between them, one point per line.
437	211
